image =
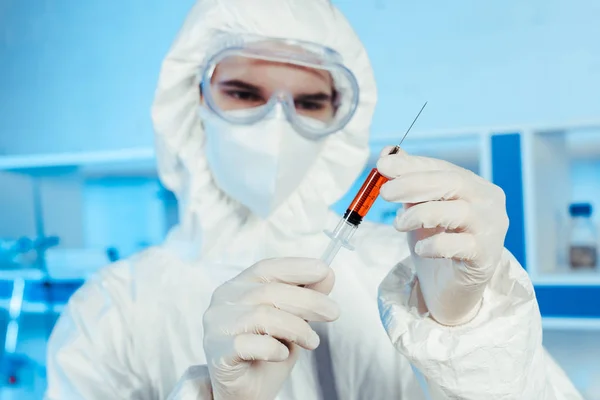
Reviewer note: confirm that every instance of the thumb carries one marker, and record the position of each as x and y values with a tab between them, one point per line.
326	285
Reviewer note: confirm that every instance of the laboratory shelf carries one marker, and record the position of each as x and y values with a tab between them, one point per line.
31	307
134	162
28	274
575	324
64	194
542	168
38	290
560	166
35	161
495	129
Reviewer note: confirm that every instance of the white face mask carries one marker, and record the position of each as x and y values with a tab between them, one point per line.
259	165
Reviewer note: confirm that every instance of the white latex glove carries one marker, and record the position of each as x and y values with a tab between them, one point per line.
457	223
257	322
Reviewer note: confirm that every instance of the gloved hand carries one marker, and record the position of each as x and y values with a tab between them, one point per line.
257	322
457	223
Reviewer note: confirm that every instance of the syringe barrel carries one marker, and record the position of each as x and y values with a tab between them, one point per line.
365	198
343	232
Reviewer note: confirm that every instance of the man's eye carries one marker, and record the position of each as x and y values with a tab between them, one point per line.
309	105
243	95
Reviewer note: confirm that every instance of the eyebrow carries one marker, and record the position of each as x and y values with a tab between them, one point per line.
236	83
321	96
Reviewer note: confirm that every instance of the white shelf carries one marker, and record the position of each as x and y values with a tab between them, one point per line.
33	307
583	144
123	157
576	324
67	274
566	279
487	130
28	274
140	154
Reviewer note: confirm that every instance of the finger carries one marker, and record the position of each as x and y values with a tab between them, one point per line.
295	271
395	165
251	347
267	320
450	215
305	303
326	285
419	187
455	246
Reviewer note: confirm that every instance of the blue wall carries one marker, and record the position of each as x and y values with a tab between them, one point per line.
80	74
482	63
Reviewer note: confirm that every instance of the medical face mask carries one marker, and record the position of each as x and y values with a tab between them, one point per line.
260	165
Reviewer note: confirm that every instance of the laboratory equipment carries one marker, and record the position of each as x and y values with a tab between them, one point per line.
23	274
583	238
360	206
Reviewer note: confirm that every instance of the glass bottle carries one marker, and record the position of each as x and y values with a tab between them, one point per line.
583	238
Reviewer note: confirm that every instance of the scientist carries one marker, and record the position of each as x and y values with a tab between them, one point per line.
262	117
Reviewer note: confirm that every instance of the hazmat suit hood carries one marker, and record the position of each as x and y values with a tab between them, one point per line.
209	219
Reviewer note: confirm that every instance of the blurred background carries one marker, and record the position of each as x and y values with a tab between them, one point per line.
514	95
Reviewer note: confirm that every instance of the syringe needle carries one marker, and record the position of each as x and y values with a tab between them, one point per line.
411	125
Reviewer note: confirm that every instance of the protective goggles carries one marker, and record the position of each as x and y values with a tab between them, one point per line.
248	77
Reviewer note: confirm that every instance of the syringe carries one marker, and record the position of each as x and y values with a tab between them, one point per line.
360	206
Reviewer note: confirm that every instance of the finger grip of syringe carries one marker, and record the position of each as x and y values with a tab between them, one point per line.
340	237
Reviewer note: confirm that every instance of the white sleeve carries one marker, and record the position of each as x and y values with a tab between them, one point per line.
498	355
91	352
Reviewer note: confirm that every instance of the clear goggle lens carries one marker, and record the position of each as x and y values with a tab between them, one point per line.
243	84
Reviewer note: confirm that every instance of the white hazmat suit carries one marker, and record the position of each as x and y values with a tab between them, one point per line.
135	330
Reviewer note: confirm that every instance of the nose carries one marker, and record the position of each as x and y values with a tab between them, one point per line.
282	105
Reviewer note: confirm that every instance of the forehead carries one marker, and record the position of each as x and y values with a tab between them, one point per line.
270	74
